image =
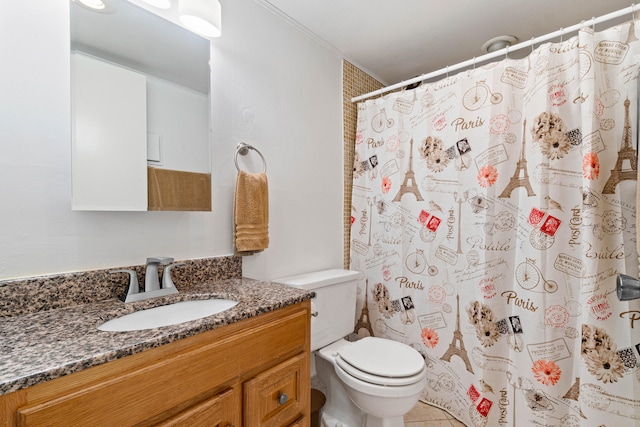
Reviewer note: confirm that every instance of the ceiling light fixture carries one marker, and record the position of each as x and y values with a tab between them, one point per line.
93	4
97	6
160	4
498	43
202	16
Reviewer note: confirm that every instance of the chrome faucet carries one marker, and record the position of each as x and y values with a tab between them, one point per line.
152	287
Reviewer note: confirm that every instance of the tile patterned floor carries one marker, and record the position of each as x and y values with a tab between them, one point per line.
424	415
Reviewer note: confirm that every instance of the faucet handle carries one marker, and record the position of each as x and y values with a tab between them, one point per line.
166	276
134	288
151	282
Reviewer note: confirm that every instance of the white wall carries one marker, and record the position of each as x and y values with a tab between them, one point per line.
180	117
272	87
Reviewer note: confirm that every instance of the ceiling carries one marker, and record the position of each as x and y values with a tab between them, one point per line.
390	42
397	40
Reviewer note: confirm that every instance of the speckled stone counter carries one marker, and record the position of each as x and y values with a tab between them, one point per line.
41	293
40	346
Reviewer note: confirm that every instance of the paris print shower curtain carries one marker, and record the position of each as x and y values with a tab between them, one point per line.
492	212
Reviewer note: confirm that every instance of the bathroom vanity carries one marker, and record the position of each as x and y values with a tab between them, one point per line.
246	366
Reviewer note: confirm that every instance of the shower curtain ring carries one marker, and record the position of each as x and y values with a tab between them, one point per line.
561	33
474	63
447	71
532	43
593	23
506	52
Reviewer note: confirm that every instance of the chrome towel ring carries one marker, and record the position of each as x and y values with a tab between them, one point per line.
243	148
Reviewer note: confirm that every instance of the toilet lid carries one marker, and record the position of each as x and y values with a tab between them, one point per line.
383	358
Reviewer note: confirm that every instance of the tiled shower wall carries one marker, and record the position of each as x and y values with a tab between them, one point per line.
355	82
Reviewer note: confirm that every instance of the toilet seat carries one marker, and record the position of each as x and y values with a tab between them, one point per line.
380	391
382	362
378	380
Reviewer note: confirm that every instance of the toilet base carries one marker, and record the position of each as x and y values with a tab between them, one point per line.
372	421
327	420
338	410
368	421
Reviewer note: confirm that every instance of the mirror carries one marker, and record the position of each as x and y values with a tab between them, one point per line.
140	111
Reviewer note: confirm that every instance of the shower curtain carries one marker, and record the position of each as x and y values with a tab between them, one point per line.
492	212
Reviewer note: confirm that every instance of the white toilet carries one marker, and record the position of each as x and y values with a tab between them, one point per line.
371	382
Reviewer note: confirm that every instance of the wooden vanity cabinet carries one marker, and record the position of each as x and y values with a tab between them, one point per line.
251	373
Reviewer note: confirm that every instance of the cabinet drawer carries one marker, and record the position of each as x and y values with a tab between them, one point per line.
278	396
221	410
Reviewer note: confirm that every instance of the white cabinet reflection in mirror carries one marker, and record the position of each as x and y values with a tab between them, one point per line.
109	150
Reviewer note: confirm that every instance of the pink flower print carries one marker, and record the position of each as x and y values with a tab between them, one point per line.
487	176
386	272
430	337
546	371
392	143
386	184
590	165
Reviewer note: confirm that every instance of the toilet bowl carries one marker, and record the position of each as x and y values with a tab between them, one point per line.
383	378
371	382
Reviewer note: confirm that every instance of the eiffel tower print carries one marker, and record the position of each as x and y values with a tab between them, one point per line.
520	177
574	392
409	184
456	348
363	321
627	152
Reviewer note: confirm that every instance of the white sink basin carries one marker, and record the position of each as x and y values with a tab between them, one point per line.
166	315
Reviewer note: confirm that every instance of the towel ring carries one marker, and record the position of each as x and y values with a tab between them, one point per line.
243	149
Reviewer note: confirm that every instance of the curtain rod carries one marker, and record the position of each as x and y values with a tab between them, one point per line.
533	41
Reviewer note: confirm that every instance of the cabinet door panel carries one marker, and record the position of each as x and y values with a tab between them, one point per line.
221	410
279	395
300	422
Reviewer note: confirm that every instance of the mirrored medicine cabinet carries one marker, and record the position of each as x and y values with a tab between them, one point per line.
140	104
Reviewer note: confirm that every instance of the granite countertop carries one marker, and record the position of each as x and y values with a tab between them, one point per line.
42	346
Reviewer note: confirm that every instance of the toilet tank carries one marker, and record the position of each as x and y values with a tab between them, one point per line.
334	303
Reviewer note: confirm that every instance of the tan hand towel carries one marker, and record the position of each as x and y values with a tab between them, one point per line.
171	190
251	213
